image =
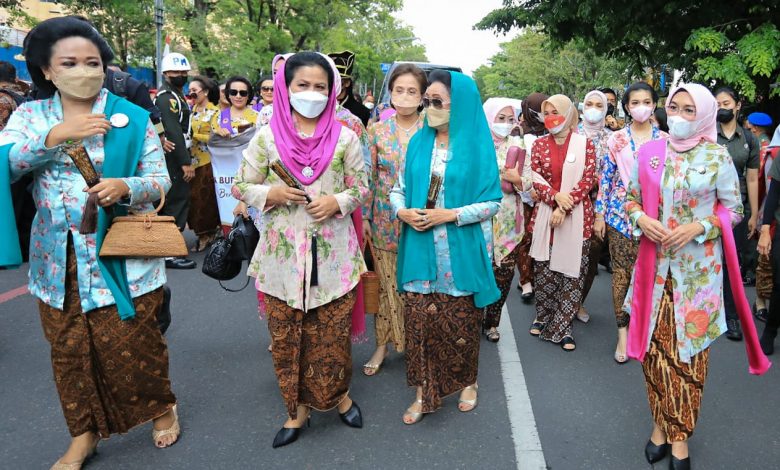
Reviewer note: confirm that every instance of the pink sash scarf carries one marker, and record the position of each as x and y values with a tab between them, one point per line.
645	271
358	330
515	158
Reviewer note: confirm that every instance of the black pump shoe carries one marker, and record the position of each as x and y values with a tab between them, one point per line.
352	417
655	453
679	464
288	435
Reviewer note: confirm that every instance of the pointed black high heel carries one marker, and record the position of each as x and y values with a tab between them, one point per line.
655	453
288	435
679	464
352	417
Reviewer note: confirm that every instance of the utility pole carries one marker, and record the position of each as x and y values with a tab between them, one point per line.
158	21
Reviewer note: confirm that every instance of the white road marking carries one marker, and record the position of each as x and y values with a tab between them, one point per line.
528	447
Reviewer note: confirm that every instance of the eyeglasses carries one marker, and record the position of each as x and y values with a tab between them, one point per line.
193	95
687	111
266	89
243	93
435	102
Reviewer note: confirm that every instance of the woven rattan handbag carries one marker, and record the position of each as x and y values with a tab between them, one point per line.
370	281
145	235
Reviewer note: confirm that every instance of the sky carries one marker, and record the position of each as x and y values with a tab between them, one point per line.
445	28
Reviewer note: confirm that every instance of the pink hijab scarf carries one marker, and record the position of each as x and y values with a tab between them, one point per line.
706	110
592	129
305	155
492	107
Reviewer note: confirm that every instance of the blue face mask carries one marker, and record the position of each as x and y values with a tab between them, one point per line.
681	128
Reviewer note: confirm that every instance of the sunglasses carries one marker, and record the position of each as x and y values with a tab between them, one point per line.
193	95
243	93
435	102
267	89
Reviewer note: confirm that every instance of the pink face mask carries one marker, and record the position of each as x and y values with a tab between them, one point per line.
641	113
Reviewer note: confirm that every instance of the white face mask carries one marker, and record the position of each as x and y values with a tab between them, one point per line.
502	129
369	106
309	104
681	128
593	115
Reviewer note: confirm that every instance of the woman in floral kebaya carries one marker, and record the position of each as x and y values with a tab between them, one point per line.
308	261
683	194
612	220
509	223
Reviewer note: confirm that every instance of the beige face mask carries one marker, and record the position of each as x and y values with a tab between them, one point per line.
438	118
79	82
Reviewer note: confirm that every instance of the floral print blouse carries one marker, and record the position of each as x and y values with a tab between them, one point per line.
481	212
541	163
59	197
692	185
282	262
200	125
506	233
388	156
353	123
611	200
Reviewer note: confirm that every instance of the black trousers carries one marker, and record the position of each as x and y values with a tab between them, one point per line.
742	243
773	322
177	200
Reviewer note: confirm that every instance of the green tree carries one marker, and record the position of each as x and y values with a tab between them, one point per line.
375	38
127	25
228	37
526	65
702	38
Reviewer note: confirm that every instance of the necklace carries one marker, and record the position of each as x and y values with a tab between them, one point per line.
409	129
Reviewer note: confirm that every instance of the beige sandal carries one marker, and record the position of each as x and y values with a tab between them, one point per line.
415	416
471	404
373	369
76	465
174	430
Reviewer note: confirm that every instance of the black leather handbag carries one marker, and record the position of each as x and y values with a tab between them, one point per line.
226	255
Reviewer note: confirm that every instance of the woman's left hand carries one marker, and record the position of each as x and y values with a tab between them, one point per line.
557	218
511	175
109	191
682	235
323	208
434	217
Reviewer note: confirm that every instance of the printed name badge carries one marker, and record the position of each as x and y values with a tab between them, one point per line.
119	120
570	158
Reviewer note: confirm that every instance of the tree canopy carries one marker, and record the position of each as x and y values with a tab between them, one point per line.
728	41
525	65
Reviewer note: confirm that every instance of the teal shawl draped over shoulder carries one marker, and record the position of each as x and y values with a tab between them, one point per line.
10	251
123	150
471	176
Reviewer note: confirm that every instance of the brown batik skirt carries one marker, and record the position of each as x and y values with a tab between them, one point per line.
525	264
389	321
203	217
312	352
764	277
442	345
674	388
623	252
504	274
558	297
111	374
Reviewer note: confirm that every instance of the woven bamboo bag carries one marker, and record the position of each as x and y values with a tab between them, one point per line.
145	235
370	281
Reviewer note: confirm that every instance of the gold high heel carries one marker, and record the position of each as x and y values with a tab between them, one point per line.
76	465
174	430
470	403
414	415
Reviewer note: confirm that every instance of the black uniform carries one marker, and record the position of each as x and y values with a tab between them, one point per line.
175	117
355	107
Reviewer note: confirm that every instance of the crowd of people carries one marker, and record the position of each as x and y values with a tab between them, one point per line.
451	194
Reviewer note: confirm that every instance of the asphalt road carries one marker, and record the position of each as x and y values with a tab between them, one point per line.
590	413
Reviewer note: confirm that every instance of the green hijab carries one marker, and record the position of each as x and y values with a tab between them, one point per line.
471	177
